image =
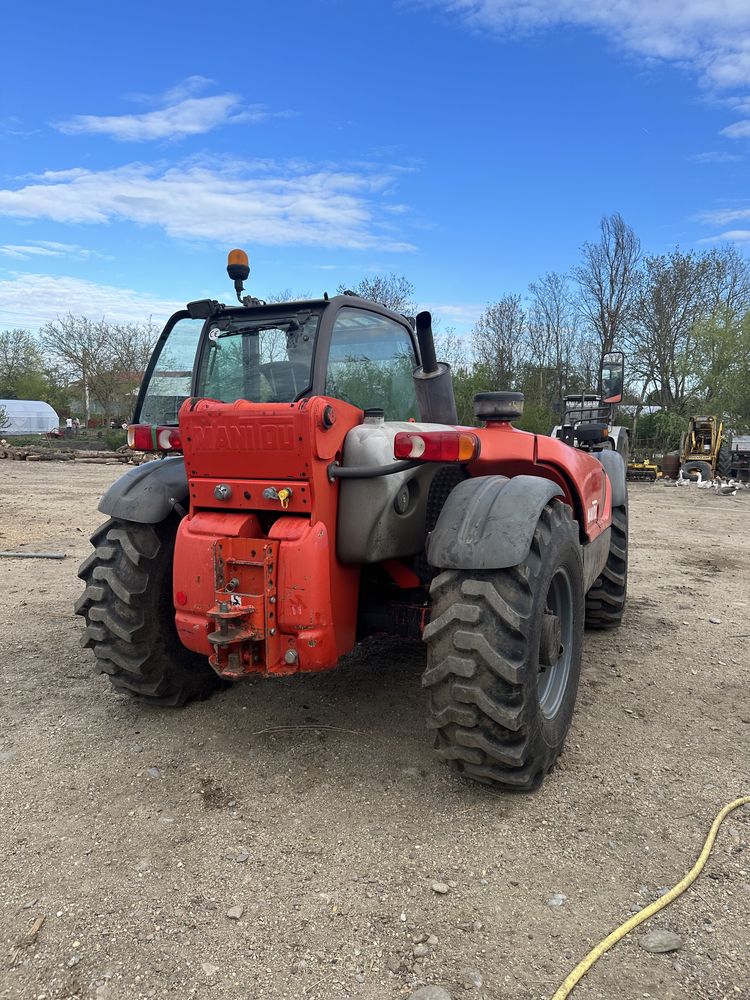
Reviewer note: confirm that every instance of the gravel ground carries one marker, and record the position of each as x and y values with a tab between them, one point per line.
284	838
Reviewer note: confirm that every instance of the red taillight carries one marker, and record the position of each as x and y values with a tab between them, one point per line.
149	437
436	446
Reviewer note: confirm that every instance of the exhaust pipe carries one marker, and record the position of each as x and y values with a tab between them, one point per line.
432	380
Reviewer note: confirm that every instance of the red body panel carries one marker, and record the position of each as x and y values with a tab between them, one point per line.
244	609
257	583
506	451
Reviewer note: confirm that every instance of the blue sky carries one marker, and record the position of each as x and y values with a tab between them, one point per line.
469	144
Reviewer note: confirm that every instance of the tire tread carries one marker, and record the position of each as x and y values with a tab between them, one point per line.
129	617
477	644
605	601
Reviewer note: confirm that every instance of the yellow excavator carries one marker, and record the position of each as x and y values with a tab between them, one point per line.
704	448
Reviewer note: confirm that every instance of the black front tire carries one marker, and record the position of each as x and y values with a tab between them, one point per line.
605	601
497	716
129	615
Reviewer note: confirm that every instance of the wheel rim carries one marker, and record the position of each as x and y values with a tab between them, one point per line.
552	680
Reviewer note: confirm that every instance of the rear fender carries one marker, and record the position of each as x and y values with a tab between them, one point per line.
488	522
148	493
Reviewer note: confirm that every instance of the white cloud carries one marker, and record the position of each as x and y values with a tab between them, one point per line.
714	156
710	36
192	116
188	87
461	315
738	130
723	216
44	248
15	127
730	236
57	296
258	203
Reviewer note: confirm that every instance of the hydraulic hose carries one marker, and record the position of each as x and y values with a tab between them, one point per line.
596	953
369	471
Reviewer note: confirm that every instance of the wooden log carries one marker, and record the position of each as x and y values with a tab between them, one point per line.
32	555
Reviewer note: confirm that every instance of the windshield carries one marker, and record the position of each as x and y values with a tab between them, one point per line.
168	385
265	360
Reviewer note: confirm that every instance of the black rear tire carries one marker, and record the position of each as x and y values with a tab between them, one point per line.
689	469
499	717
605	601
724	461
129	615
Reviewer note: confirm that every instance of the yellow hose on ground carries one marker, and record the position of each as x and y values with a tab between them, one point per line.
617	935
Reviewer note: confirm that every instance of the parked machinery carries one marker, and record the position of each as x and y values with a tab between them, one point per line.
739	457
588	418
704	448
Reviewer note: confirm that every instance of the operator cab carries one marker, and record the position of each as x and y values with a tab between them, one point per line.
344	347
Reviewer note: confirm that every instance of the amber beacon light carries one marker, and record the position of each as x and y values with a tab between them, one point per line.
238	269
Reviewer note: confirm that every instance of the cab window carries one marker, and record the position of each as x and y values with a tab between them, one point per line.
370	364
169	384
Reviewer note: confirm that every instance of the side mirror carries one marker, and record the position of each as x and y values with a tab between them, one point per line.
612	377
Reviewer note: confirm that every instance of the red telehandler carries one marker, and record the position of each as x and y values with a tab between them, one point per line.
314	488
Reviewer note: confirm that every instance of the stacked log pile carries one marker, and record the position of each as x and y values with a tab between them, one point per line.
82	456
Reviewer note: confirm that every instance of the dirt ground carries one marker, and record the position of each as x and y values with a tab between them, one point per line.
133	831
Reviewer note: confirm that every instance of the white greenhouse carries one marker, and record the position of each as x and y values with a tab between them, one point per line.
26	416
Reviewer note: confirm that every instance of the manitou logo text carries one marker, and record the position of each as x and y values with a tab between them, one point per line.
278	436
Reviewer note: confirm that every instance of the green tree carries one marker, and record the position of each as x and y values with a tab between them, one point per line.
20	363
720	357
673	297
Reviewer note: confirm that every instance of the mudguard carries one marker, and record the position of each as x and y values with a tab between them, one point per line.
488	522
614	466
148	493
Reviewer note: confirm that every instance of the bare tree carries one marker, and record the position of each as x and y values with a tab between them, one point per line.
452	349
131	347
728	286
498	341
552	329
584	374
607	280
107	360
394	291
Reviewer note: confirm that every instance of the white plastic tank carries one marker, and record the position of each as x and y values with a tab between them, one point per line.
371	529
